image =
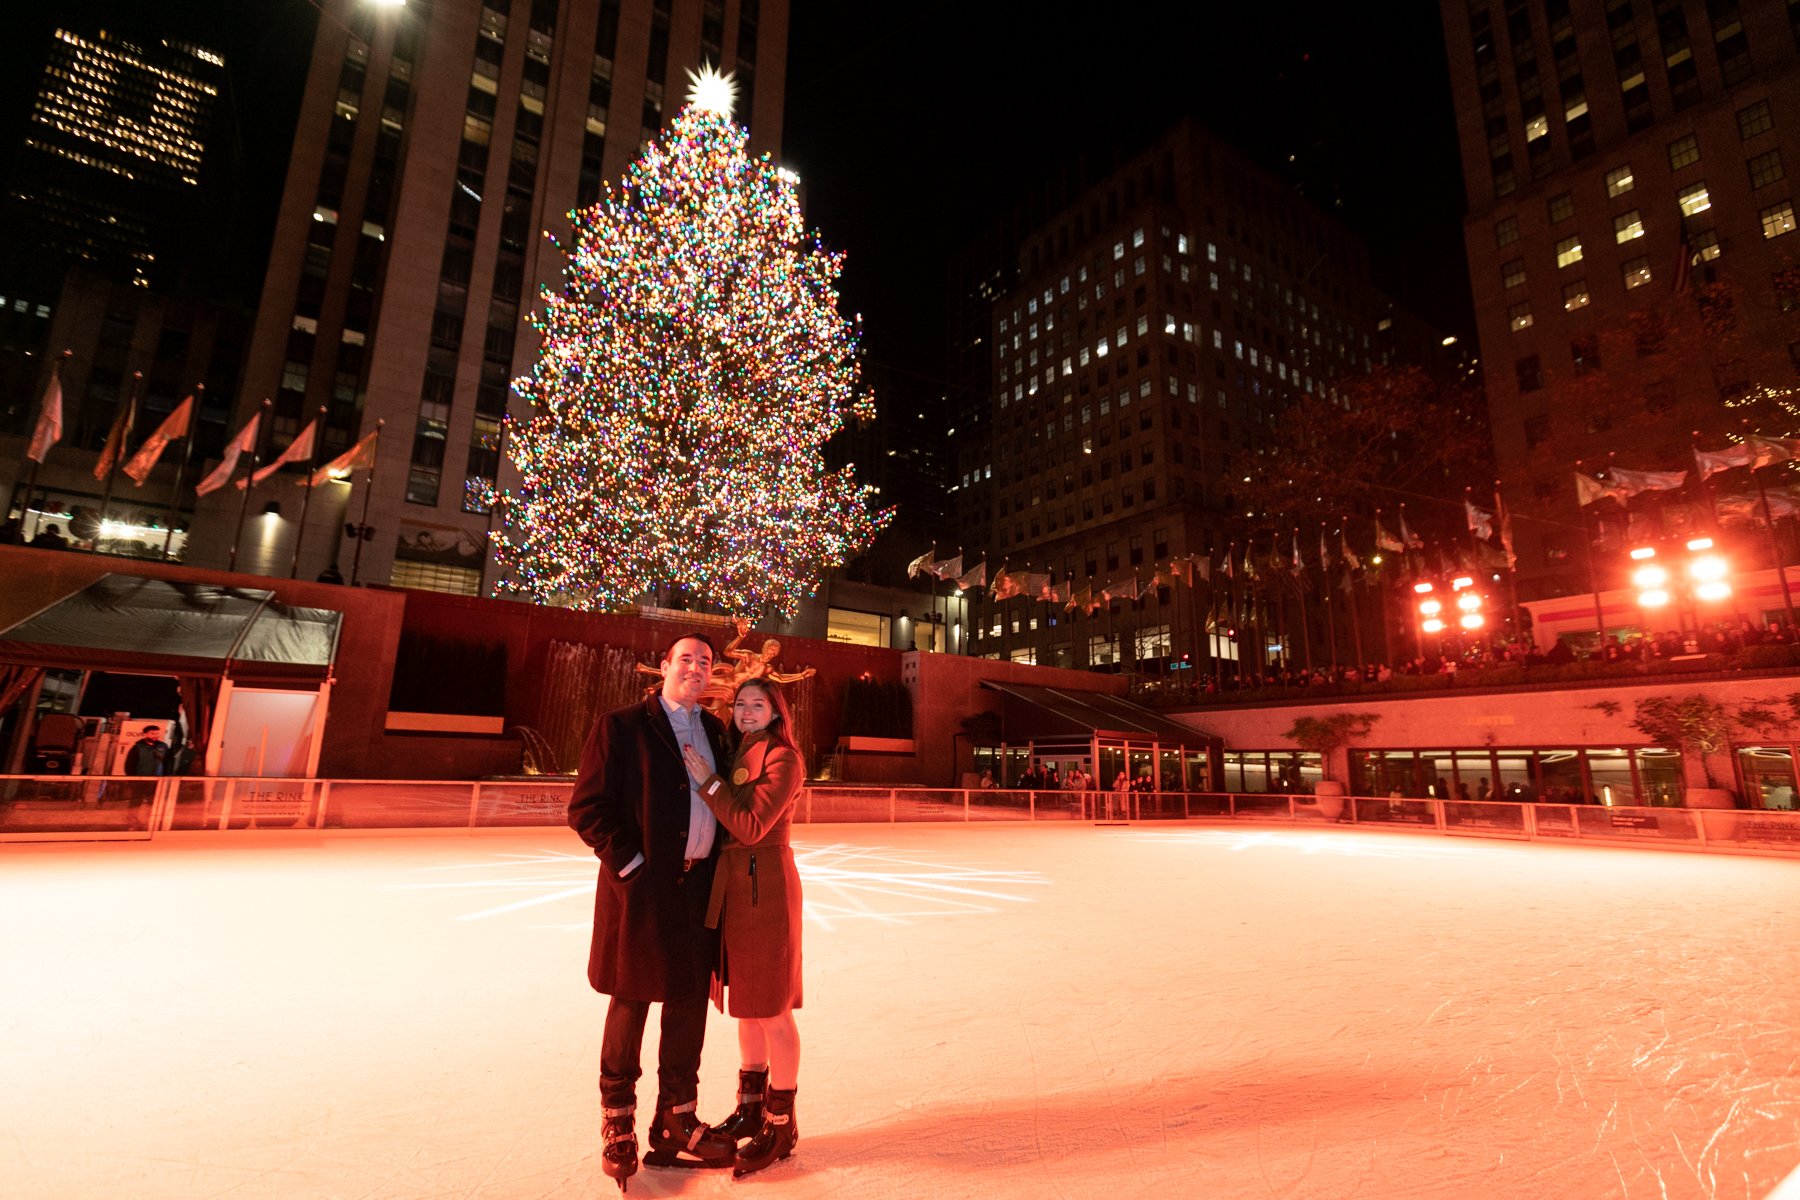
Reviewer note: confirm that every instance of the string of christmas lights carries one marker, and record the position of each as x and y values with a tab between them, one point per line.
691	369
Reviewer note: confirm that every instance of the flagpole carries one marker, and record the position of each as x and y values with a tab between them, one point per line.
1587	540
362	527
129	417
237	537
312	461
1331	635
187	451
32	472
1762	495
1504	517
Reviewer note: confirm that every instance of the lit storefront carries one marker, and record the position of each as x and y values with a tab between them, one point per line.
1643	775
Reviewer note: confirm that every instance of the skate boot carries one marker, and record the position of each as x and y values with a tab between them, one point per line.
619	1154
777	1138
680	1139
746	1119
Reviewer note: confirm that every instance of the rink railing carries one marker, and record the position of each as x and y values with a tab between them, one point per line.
62	807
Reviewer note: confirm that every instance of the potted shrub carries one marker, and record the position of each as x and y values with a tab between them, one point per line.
1326	736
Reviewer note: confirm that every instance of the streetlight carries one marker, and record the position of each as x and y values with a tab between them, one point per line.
1430	609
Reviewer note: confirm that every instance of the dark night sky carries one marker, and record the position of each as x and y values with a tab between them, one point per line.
910	124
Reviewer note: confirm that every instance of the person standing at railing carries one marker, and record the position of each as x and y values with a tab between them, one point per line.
149	757
756	904
657	843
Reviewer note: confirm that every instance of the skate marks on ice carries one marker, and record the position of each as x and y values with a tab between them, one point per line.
843	883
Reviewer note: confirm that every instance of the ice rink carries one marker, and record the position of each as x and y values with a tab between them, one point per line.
1002	1013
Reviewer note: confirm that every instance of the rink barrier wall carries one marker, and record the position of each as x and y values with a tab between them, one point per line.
63	807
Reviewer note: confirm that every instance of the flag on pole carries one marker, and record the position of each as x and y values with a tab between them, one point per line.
1035	586
1125	589
1230	571
354	459
114	450
1180	570
1412	540
1385	540
173	426
49	428
921	565
1769	450
1627	484
1202	567
1506	530
1299	563
1324	552
1711	462
950	568
298	450
975	576
1588	489
244	441
1684	261
1347	554
1005	586
1481	522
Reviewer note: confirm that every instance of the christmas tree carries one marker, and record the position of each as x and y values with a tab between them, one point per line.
691	369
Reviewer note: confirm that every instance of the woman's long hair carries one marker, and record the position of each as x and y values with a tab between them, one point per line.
780	727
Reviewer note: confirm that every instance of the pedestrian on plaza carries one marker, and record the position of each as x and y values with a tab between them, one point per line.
151	754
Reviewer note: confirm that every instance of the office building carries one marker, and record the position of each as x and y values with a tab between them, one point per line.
1631	239
1157	322
436	145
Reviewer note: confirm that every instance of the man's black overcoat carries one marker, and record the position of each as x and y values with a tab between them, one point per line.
631	795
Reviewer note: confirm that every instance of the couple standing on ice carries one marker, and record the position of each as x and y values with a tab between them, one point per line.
686	909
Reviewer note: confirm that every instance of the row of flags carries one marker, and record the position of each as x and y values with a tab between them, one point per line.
179	424
1622	485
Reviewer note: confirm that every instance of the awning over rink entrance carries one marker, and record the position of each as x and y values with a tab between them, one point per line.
1106	734
129	623
1032	713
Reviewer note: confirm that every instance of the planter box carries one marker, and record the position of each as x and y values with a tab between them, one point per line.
405	722
875	745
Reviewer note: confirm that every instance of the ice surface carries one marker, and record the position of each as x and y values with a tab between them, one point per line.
993	1012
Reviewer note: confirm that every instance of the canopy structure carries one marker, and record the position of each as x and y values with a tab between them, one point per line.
152	626
1047	714
1108	733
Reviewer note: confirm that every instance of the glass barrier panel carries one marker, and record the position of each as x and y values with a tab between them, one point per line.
1395	812
1487	819
234	802
1262	804
1646	824
1208	804
1555	820
928	804
1061	806
1752	827
825	805
393	804
521	804
79	804
997	804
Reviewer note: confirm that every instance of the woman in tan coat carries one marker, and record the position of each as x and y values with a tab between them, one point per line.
757	906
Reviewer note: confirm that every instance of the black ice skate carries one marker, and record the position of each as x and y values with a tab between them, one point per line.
619	1154
680	1139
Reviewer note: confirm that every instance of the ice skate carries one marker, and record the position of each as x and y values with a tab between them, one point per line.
746	1119
777	1138
619	1154
680	1139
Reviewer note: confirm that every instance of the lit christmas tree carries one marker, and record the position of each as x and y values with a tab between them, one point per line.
691	370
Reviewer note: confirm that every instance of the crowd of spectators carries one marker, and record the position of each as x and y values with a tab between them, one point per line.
1470	657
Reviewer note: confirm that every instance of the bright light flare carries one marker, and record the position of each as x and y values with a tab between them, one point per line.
712	92
1647	578
1643	552
1468	602
1433	626
1709	567
1716	589
1431	608
1653	599
1473	620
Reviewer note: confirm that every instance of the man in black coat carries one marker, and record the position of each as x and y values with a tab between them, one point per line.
657	842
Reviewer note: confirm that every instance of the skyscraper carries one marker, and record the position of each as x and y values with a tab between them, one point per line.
112	166
1631	238
437	144
1153	324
